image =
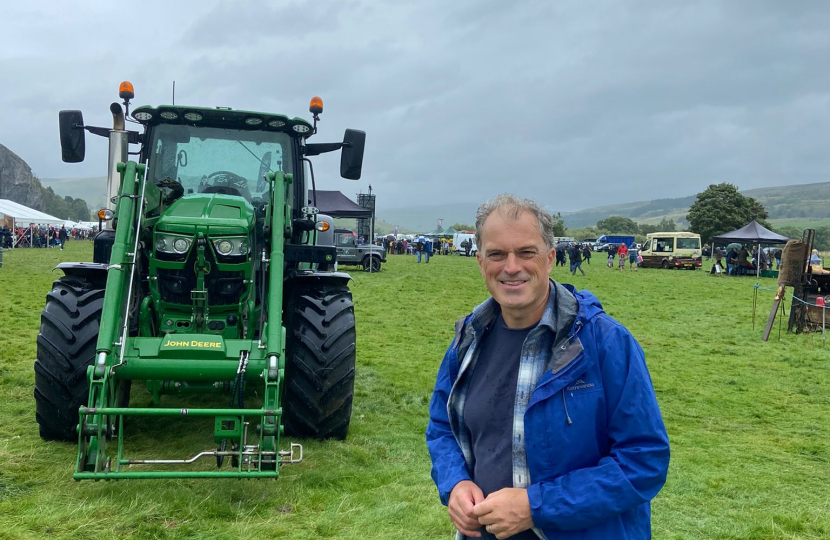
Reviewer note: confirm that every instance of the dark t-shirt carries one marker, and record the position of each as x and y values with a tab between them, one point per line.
488	410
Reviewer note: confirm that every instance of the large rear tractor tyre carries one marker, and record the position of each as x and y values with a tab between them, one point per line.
65	348
320	362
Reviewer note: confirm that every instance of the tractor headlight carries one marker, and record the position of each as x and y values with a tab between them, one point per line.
174	245
180	245
231	247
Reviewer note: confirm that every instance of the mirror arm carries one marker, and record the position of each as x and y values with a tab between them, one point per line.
315	149
101	132
133	136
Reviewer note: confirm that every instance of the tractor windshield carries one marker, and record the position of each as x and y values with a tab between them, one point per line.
218	160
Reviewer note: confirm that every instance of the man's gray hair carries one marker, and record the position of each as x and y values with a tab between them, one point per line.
513	207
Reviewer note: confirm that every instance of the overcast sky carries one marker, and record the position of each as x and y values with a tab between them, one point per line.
574	103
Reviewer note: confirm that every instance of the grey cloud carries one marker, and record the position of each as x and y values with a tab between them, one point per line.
564	101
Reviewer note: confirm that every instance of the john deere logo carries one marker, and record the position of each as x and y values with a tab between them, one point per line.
193	343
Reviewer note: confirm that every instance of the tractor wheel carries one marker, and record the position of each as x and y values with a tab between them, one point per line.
320	362
371	264
65	348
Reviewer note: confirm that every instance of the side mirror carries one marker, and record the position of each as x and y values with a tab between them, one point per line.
351	157
73	143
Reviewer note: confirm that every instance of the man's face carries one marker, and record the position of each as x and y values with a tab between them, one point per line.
516	263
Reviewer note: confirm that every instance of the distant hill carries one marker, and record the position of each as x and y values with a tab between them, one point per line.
93	190
18	184
798	202
782	202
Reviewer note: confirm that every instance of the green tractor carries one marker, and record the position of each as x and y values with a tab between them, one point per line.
210	278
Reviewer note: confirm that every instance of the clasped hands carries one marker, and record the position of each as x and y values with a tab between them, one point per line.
505	512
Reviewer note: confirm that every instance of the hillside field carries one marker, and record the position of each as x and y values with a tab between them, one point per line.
748	420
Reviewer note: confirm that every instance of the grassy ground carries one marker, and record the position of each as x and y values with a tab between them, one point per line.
747	420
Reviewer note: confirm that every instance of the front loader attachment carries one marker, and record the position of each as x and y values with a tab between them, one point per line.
180	363
247	437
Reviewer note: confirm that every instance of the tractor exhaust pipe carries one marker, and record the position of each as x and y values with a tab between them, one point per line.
119	144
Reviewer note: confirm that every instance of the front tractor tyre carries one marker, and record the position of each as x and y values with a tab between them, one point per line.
320	362
371	264
65	348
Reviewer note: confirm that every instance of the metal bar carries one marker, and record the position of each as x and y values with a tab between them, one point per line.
155	369
192	459
114	295
148	475
279	218
179	412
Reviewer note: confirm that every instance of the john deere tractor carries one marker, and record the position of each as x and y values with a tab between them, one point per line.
209	278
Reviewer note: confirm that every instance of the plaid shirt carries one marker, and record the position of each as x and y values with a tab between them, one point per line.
535	359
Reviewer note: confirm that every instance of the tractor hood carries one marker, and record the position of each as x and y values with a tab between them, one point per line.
208	213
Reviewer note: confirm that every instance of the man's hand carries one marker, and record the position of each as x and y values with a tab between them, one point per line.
505	512
464	496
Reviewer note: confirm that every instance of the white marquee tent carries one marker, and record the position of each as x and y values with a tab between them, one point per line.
23	216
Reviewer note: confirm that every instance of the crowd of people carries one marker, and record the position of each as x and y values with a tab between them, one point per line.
574	254
424	248
40	236
745	262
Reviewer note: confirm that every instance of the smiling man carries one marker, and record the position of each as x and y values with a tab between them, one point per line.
543	422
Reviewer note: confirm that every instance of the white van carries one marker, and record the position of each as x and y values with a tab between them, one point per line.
671	250
457	238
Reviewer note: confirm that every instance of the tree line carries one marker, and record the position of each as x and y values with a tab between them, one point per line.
718	209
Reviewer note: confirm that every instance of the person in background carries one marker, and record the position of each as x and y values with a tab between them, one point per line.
419	248
62	236
743	261
622	253
777	256
576	259
543	422
732	261
428	249
814	258
560	256
633	262
611	252
586	253
718	267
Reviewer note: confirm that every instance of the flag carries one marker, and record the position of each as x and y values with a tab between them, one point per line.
439	223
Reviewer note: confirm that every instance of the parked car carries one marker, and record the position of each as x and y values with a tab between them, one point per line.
369	256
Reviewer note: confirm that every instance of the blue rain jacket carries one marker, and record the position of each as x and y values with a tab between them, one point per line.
595	449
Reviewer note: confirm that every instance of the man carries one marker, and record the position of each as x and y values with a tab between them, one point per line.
576	259
543	422
62	236
732	261
633	261
743	261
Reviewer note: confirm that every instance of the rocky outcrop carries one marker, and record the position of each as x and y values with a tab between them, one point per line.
17	183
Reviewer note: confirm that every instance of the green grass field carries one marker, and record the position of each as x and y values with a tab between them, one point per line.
748	420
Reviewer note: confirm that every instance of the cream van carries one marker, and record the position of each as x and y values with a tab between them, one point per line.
671	250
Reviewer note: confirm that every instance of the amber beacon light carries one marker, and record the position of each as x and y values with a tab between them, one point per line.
126	91
316	105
